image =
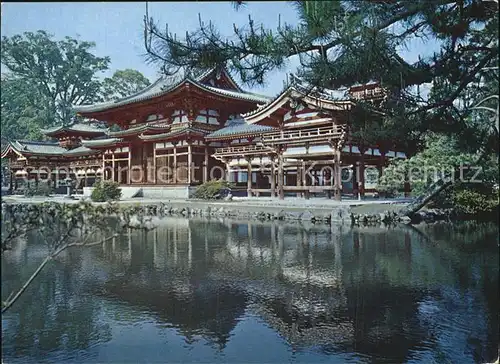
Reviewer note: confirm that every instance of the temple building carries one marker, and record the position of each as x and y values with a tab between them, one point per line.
174	135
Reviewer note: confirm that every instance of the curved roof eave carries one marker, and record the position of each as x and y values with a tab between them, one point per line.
281	99
129	99
172	134
9	148
101	143
170	88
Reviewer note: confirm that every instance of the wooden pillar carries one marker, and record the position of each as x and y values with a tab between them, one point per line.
103	175
337	176
129	173
299	180
205	166
190	162
304	180
169	164
281	191
249	176
113	167
175	162
228	169
11	181
273	179
155	170
381	163
354	176
361	172
144	163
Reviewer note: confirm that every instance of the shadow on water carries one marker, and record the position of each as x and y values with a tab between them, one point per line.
227	291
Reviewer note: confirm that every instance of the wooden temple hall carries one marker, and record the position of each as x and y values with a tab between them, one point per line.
175	135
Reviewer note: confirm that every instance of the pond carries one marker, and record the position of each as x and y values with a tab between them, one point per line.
231	291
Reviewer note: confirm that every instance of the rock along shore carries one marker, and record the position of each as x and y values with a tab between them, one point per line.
365	214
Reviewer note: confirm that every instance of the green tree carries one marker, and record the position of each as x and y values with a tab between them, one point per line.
340	43
63	72
22	109
123	83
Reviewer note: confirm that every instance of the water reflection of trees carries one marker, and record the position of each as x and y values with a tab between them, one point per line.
56	313
363	290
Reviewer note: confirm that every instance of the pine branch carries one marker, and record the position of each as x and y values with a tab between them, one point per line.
10	301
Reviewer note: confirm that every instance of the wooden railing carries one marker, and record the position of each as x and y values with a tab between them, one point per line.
290	137
303	135
88	162
243	150
17	164
366	94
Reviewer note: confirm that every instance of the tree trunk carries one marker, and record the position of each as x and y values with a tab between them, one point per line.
434	190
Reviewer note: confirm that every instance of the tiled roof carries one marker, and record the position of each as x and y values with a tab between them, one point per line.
159	127
183	130
153	126
78	128
223	69
239	127
80	150
48	148
100	142
303	88
238	95
163	86
35	147
129	131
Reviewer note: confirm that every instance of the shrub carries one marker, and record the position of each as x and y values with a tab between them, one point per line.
106	191
42	189
471	202
212	190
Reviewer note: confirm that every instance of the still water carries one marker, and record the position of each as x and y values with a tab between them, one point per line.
227	291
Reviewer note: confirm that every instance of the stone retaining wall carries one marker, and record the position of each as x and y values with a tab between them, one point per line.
337	215
135	213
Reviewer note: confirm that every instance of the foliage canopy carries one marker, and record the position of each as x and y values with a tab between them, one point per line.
341	43
46	77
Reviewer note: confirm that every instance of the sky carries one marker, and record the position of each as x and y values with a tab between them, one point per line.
117	27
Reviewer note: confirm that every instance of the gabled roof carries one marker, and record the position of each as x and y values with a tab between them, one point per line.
239	127
217	72
76	128
152	126
36	147
165	85
44	149
326	99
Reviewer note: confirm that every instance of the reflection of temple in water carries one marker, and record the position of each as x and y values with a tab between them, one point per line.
202	277
361	293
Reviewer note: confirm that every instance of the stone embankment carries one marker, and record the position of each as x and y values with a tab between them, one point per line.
134	213
336	215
